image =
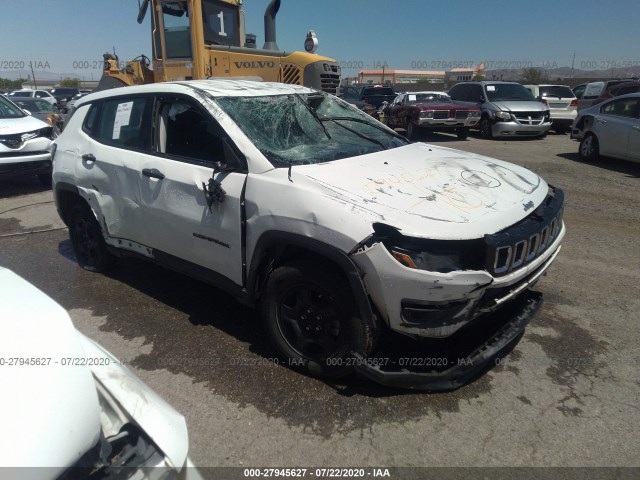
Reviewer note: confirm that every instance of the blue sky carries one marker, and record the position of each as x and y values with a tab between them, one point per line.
359	33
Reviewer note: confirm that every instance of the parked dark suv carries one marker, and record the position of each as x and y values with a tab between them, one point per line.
63	95
508	108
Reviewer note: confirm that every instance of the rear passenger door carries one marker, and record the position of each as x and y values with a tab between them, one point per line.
174	217
616	125
116	139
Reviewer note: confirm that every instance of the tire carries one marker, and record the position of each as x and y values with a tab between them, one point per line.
589	149
462	133
87	240
45	179
485	128
412	130
308	313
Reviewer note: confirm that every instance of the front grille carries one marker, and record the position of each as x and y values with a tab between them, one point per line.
12	141
441	114
329	83
529	118
462	114
520	244
290	74
42	165
21	154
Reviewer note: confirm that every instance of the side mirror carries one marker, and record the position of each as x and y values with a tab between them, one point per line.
26	111
219	167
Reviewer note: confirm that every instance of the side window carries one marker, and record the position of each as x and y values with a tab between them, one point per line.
625	107
476	94
458	92
91	120
579	90
41	94
123	123
625	90
177	31
187	132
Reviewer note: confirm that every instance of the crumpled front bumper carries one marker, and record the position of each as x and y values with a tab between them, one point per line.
447	364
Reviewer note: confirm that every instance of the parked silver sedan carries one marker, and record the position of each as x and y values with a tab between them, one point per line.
610	129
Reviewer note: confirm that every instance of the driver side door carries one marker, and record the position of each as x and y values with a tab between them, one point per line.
185	230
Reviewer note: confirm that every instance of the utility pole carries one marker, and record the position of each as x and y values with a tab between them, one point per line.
572	62
33	75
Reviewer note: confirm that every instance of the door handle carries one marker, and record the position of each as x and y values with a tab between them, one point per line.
600	120
152	173
88	157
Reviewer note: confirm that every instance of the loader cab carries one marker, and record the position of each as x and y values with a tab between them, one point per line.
182	30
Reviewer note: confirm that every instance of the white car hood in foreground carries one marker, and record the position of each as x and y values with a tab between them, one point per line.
432	192
11	126
50	413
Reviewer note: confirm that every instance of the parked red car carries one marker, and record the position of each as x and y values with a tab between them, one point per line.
432	111
617	90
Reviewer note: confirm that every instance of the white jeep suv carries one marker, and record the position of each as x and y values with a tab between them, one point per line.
330	223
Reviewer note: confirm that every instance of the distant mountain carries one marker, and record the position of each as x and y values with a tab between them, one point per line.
44	75
567	72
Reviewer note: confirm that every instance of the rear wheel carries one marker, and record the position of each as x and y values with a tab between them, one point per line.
87	240
589	149
308	313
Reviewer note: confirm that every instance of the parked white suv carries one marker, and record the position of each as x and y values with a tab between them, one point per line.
562	103
304	206
30	93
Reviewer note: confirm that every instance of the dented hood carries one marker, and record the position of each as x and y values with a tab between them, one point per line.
429	191
12	126
49	409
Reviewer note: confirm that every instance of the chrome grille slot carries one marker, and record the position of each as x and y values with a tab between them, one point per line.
534	243
520	244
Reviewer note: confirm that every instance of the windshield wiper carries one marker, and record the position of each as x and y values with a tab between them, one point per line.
360	120
361	135
314	114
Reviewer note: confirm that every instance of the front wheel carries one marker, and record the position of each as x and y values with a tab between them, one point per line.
309	316
485	128
412	130
462	133
86	237
45	179
589	149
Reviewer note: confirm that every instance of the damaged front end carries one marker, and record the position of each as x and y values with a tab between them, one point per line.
471	298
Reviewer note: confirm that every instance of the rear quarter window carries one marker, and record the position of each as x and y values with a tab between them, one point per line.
123	122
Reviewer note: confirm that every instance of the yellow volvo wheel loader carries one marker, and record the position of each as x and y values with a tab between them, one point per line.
199	39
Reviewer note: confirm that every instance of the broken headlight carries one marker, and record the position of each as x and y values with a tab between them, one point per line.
442	256
46	132
443	262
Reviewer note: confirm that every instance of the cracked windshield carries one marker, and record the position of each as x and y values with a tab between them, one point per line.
305	129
